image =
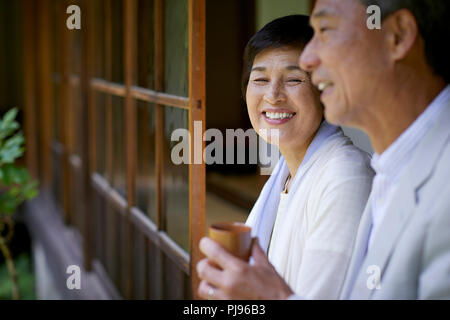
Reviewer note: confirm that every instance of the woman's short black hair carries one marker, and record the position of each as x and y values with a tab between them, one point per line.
290	31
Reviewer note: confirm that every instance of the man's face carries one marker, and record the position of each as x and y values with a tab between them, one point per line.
347	61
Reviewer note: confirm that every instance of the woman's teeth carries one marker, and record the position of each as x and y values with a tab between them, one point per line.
279	116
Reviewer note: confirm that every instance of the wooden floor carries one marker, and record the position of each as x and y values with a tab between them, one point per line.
220	208
240	189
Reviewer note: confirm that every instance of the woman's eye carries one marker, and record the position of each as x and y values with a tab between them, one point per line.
261	80
294	81
323	29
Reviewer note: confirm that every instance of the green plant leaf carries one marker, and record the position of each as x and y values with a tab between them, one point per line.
8	204
14	175
30	190
10	115
16	179
8	125
8	155
15	191
15	141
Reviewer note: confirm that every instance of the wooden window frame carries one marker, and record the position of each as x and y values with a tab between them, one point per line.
85	162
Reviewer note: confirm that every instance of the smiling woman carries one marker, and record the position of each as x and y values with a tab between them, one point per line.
307	214
280	96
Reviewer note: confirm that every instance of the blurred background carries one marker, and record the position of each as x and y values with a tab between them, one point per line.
98	106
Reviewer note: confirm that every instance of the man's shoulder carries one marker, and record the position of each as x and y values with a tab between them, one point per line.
433	195
429	169
440	175
443	163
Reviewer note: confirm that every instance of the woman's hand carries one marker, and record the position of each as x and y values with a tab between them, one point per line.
225	277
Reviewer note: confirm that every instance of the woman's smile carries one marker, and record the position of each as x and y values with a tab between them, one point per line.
278	117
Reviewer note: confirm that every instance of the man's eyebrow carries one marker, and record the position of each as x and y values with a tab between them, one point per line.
259	69
321	14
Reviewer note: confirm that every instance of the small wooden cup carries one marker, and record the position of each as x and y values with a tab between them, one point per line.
235	237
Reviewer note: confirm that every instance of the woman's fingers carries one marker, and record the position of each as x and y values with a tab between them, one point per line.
219	255
207	271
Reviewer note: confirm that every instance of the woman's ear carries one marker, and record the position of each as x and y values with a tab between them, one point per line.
402	32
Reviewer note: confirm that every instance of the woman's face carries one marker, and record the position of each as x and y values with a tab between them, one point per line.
280	96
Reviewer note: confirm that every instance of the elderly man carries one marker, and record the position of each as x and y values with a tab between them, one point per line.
391	83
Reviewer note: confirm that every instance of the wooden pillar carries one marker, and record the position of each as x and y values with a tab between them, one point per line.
44	87
29	62
66	107
159	112
197	81
130	49
88	122
108	99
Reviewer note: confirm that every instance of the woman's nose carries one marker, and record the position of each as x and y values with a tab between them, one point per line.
274	94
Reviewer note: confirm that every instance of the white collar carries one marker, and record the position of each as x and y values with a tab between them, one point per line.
393	159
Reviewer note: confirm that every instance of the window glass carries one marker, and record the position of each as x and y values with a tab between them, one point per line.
100	133
176	47
119	167
176	180
145	179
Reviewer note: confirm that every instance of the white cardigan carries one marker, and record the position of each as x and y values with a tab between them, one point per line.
314	237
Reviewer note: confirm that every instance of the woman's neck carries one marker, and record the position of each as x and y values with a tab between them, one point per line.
294	158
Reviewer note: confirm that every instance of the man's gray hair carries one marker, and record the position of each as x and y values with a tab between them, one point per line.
433	21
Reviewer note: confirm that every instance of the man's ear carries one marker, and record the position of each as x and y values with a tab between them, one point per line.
402	32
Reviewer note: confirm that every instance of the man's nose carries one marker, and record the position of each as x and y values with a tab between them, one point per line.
274	94
309	60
